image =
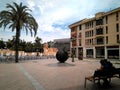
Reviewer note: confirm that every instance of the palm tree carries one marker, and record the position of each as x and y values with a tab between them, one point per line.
18	18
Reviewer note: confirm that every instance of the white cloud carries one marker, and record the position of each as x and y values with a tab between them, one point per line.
57	34
53	16
31	4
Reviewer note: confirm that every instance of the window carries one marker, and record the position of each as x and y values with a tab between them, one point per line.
92	32
86	26
106	19
79	42
92	41
117	16
106	39
99	31
89	33
80	27
106	29
100	40
89	25
117	27
86	42
117	38
99	22
72	29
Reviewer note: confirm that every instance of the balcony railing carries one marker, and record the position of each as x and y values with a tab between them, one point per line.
99	31
74	44
99	43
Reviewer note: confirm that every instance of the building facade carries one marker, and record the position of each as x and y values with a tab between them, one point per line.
49	51
62	44
97	37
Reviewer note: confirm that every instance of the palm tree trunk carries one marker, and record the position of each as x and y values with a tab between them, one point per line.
16	53
17	45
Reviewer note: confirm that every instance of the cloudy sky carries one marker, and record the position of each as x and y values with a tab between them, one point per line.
54	16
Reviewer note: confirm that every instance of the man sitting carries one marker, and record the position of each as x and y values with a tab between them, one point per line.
106	70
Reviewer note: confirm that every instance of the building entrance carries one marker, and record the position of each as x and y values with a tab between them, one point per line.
113	54
89	53
100	52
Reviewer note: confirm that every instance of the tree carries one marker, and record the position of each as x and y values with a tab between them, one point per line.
10	44
29	47
17	17
2	44
38	45
22	45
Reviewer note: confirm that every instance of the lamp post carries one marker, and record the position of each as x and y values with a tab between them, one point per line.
72	50
73	54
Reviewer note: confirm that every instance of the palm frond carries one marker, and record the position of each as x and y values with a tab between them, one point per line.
11	8
18	16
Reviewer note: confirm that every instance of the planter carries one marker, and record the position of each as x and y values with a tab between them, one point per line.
80	57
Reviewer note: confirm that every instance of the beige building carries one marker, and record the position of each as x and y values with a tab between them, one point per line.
49	51
97	37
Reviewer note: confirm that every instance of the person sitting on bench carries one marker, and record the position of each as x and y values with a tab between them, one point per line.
106	70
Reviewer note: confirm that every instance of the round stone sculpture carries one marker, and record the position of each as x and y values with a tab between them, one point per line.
61	56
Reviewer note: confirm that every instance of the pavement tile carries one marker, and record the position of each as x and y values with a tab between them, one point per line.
11	78
51	75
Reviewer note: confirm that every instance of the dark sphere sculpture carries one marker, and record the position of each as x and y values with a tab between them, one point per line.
62	56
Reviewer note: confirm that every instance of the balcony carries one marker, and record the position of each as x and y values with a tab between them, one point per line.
74	44
74	35
99	31
99	40
99	22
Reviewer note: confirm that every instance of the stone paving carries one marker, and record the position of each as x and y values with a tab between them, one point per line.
49	74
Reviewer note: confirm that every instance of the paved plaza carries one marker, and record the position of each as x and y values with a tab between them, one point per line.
49	74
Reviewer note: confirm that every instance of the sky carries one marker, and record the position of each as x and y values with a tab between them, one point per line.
55	16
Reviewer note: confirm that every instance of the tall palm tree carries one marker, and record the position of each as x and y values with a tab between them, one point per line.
17	17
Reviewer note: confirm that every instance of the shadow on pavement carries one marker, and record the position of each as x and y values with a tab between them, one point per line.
101	87
60	64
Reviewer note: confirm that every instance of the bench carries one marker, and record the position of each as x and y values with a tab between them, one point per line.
98	79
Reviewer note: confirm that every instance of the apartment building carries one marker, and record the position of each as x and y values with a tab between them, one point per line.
97	37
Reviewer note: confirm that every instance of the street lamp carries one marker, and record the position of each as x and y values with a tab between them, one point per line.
73	54
72	50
